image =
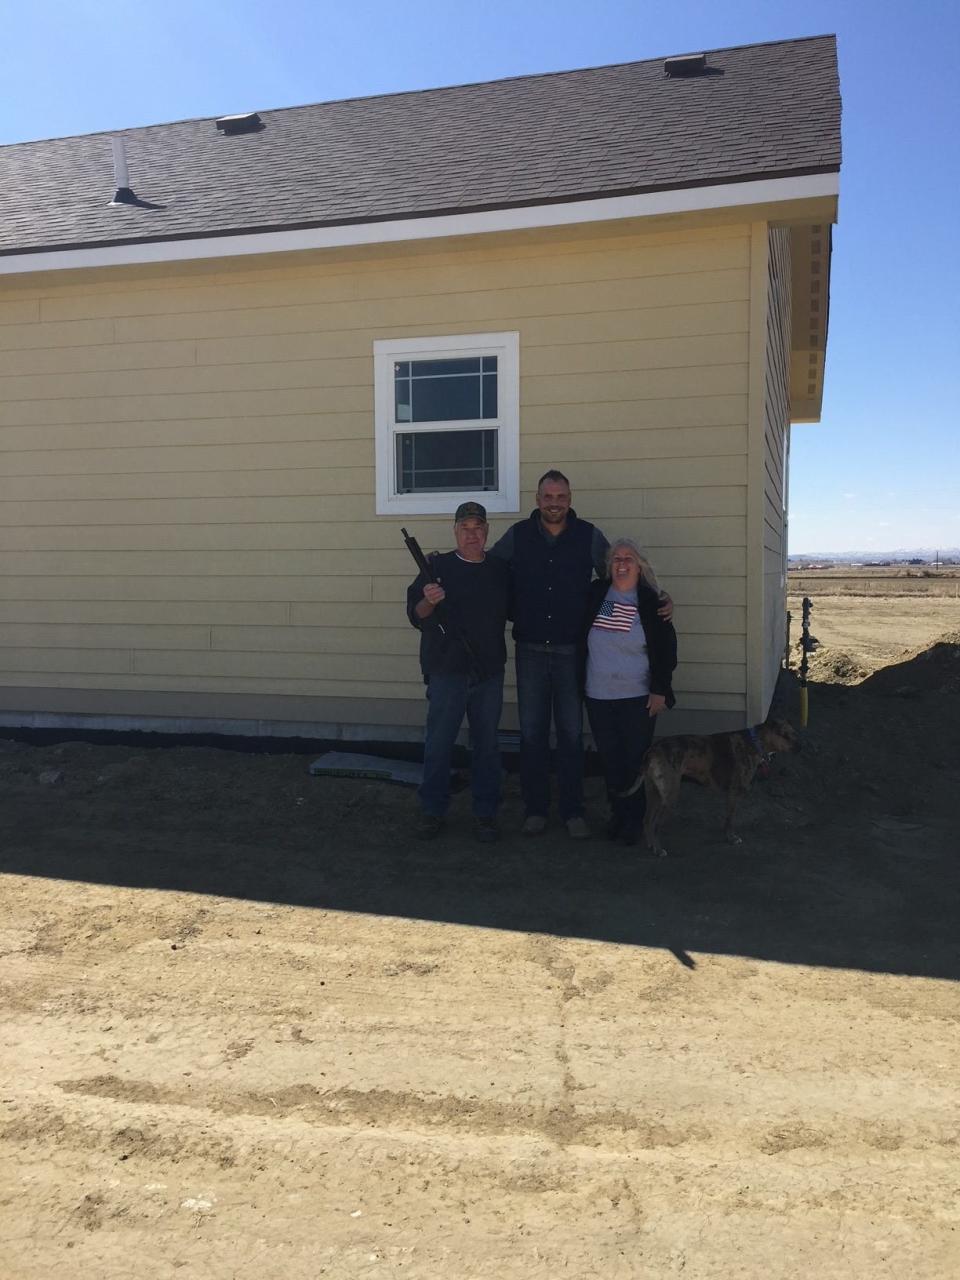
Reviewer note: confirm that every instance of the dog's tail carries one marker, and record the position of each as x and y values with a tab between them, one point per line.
637	783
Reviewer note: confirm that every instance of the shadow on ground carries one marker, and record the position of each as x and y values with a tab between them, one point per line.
850	854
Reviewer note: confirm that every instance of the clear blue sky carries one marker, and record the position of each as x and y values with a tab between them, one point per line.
882	469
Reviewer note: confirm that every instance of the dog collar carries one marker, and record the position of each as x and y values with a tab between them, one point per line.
754	739
763	768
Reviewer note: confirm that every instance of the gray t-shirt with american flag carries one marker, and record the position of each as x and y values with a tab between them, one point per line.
617	661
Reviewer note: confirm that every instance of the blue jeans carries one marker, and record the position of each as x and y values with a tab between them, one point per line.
547	689
449	699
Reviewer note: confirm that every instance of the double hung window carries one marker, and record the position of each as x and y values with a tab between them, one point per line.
447	422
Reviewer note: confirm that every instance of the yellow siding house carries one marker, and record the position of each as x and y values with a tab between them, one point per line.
220	343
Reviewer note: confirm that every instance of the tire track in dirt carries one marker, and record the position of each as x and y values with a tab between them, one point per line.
560	1123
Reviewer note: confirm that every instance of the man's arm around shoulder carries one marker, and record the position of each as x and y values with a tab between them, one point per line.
503	547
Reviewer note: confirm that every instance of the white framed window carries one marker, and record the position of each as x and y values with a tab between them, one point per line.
447	412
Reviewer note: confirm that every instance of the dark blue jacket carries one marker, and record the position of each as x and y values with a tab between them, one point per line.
551	578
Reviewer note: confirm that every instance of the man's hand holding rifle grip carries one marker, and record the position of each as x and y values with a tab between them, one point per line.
433	594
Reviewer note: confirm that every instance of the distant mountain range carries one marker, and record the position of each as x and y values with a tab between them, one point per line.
927	554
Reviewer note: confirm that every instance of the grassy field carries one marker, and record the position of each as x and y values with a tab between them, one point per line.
897	580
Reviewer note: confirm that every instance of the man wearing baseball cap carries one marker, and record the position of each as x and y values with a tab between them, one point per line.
461	618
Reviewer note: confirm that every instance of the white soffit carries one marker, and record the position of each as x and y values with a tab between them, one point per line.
653	204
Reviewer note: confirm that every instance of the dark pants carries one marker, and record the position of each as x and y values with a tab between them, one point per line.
449	699
623	730
547	688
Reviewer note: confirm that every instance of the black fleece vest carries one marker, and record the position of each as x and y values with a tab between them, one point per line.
551	578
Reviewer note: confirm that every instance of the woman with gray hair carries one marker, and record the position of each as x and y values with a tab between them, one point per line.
628	654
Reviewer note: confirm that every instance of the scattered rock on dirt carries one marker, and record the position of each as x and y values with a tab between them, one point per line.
123	770
834	666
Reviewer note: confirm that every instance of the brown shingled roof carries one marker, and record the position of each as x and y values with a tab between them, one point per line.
761	111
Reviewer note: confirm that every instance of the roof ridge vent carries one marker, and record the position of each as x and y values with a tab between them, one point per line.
249	122
688	64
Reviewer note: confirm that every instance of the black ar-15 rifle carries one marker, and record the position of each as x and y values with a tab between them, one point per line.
445	624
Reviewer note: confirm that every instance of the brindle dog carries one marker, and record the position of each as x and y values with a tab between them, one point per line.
727	762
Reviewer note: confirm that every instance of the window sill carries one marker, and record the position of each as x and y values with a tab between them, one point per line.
438	504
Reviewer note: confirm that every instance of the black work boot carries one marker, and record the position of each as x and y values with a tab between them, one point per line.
615	823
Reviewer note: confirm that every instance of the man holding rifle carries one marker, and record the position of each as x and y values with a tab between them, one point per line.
459	604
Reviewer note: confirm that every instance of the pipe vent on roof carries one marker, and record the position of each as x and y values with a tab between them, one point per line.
690	64
121	177
249	123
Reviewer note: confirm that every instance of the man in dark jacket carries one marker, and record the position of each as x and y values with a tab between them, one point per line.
461	619
553	556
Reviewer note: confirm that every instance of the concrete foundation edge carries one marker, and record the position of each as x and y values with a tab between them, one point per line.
328	730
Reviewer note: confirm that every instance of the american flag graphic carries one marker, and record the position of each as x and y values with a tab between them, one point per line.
614	616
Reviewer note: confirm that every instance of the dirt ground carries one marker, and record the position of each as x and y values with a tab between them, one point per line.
252	1029
872	632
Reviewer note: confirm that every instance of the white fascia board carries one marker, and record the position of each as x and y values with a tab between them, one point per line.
523	217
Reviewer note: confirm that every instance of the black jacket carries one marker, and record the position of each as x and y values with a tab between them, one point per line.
661	637
476	606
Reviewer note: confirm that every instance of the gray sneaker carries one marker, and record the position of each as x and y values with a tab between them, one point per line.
535	825
577	829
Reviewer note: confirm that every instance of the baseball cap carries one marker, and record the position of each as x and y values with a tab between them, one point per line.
470	511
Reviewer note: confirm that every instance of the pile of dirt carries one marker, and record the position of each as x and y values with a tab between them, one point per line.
934	668
835	666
